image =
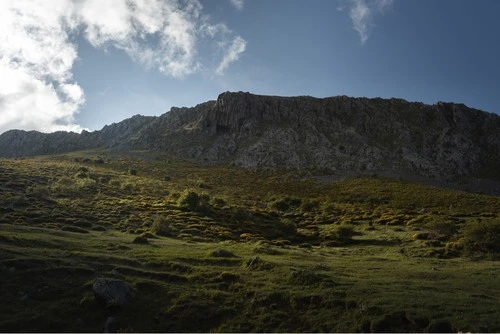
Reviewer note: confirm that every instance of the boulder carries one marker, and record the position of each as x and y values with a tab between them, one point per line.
111	292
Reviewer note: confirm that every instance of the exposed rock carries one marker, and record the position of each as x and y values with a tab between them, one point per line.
111	292
337	134
222	253
140	240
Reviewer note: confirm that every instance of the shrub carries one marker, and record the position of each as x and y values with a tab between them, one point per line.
309	205
39	191
115	183
287	226
481	237
127	187
85	183
161	226
439	228
217	202
239	214
342	233
285	204
65	186
192	201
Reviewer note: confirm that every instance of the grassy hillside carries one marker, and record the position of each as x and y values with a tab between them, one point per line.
226	249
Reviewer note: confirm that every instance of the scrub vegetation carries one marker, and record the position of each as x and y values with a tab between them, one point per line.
224	249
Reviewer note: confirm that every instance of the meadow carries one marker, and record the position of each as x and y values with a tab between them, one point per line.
224	249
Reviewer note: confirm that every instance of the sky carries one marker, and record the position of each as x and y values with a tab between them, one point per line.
81	64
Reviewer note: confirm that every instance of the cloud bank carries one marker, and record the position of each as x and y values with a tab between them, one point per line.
363	12
38	49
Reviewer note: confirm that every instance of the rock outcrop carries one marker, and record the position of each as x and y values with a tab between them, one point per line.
341	133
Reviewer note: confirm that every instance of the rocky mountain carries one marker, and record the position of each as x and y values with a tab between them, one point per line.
340	133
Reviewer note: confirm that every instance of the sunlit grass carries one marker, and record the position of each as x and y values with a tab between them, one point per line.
362	254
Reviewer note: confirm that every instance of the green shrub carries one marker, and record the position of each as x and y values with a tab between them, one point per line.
189	201
481	237
65	186
239	214
342	233
288	226
115	183
128	187
161	226
217	202
85	183
439	228
82	174
192	201
309	205
38	191
285	204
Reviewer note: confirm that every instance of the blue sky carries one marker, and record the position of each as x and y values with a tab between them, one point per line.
78	64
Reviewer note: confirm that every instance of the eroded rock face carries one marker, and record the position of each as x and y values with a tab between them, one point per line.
340	133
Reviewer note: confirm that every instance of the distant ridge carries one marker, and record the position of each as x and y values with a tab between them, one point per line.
338	134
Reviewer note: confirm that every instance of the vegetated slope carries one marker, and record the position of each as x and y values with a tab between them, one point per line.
226	249
337	134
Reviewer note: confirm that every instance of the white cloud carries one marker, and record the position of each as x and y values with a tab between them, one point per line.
36	86
362	13
37	50
235	49
238	4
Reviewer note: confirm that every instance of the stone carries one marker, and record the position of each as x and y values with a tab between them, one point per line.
220	252
140	240
111	292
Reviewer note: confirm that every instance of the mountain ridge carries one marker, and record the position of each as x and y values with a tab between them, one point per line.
338	134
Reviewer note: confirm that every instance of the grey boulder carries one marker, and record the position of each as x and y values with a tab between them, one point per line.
111	292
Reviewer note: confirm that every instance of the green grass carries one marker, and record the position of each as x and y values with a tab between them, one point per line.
362	254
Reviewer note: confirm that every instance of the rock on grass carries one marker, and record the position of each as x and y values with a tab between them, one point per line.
111	292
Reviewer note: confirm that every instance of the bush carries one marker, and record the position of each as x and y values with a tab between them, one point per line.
128	187
217	202
342	233
189	200
161	226
309	205
287	226
439	228
192	201
86	183
115	183
82	174
285	204
39	191
239	214
481	237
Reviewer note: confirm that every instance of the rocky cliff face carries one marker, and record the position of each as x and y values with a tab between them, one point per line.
337	133
18	143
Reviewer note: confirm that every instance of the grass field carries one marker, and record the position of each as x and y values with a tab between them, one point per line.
365	254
